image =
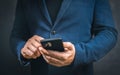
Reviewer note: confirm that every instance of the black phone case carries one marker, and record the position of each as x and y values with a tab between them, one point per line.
53	44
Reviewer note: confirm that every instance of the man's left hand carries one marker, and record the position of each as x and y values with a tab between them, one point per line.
59	59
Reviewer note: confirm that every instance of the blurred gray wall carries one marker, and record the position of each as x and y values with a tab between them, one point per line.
109	65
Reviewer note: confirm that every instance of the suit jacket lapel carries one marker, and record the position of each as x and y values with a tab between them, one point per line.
45	11
64	6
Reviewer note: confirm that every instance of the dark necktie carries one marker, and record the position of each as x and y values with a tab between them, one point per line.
53	7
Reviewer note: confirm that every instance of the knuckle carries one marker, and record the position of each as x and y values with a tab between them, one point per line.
32	54
29	40
23	50
69	43
34	49
34	35
36	44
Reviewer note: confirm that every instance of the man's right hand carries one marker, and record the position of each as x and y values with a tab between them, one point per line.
30	49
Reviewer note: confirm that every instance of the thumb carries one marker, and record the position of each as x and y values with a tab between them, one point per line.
67	45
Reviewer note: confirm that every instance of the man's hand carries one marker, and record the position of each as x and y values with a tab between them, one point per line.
59	59
30	49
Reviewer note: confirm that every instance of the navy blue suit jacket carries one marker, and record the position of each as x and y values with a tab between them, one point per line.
88	24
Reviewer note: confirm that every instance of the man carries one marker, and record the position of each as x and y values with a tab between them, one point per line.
86	27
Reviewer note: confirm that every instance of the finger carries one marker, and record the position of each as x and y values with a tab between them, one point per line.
26	56
30	54
44	57
57	55
66	49
43	51
53	61
36	43
68	45
49	53
69	53
38	53
54	54
38	38
32	48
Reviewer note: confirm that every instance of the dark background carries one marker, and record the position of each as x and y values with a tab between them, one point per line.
109	65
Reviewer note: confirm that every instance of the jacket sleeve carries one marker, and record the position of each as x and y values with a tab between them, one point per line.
19	34
104	36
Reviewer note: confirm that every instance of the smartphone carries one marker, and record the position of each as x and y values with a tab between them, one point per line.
55	44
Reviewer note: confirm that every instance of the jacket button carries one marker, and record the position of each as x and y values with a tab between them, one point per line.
53	32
